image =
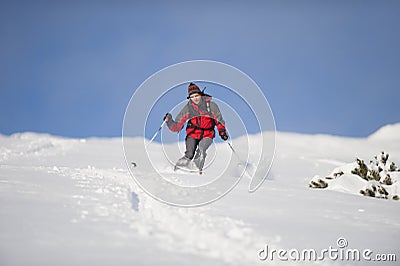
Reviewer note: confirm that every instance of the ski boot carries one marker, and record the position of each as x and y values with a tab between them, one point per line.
182	163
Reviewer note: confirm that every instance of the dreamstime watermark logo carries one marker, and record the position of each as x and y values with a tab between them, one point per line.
240	100
341	252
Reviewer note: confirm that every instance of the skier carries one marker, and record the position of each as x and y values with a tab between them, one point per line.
202	115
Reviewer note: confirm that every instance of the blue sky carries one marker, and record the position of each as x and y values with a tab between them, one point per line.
69	68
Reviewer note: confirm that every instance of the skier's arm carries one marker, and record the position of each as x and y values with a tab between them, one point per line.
217	116
180	120
219	121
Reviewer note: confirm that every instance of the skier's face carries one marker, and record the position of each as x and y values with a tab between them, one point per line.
196	98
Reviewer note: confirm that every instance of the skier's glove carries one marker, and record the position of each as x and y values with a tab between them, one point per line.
223	135
167	117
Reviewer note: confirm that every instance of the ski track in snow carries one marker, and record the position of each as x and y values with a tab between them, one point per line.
78	194
186	230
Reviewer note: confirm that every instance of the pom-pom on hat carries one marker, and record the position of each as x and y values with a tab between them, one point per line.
193	88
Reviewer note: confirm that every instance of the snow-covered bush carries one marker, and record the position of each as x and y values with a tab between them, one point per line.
318	183
379	178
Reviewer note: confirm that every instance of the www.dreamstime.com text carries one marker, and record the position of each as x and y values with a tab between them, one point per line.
339	253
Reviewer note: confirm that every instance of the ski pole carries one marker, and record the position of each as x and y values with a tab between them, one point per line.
238	157
234	152
156	133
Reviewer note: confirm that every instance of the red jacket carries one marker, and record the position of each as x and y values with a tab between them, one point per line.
201	119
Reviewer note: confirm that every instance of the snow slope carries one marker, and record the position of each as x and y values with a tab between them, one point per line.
73	202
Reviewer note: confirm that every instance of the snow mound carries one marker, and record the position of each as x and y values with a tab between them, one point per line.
388	132
379	179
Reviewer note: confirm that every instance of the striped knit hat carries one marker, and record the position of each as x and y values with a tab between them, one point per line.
193	88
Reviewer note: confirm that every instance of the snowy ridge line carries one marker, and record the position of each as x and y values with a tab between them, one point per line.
31	145
386	133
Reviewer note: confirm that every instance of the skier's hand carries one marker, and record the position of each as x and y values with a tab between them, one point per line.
167	117
223	135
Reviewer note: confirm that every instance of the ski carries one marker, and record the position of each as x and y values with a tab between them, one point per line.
187	169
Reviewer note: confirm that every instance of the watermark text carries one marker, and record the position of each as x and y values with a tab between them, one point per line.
340	252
